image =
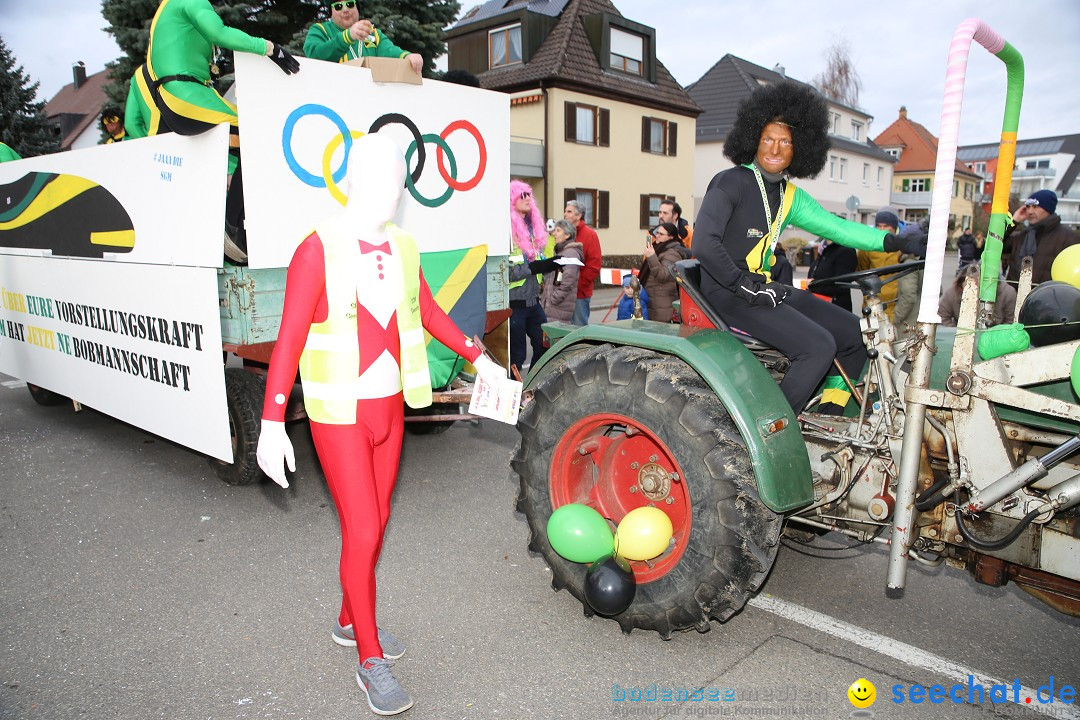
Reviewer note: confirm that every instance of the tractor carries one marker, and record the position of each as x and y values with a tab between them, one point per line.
943	456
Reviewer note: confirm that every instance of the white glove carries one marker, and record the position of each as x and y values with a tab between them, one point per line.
274	451
490	371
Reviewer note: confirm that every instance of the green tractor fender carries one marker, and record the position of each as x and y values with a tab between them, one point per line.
760	411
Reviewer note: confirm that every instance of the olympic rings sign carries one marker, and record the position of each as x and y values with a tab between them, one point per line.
444	155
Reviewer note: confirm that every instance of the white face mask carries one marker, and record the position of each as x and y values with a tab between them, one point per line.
376	174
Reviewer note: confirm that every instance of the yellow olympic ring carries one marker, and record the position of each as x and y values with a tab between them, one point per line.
327	173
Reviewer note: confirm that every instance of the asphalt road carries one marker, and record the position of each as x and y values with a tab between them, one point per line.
134	584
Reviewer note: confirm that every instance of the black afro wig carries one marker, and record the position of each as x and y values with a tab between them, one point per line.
800	107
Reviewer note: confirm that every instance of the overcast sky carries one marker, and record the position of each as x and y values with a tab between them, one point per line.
899	49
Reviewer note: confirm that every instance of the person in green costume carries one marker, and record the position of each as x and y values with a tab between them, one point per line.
112	125
6	153
140	114
347	37
176	75
175	82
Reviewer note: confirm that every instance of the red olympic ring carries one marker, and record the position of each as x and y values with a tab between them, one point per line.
475	179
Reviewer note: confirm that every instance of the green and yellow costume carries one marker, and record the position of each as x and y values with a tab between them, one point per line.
175	81
326	41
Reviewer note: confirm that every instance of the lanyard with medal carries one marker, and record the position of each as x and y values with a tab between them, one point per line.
773	224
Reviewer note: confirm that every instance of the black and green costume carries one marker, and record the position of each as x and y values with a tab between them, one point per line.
733	240
326	41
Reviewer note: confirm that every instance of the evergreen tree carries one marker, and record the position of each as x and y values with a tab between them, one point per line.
129	24
23	125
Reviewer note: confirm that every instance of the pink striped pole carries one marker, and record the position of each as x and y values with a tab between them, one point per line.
955	75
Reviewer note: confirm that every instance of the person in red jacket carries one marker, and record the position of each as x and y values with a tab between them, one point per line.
575	214
356	307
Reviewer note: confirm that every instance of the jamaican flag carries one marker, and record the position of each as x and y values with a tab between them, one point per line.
458	281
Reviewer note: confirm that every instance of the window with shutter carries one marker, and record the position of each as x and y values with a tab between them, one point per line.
658	136
595	203
588	124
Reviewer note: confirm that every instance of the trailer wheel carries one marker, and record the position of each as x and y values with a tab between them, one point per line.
621	427
43	396
244	393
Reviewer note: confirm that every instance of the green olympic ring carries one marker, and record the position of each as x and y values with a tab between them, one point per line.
441	200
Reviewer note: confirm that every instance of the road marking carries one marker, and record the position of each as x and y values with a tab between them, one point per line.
903	652
13	384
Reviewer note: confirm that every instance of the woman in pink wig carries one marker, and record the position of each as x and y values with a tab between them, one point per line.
526	263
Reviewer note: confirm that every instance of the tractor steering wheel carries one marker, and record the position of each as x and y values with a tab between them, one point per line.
869	281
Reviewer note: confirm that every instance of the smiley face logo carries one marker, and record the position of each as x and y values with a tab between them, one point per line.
862	693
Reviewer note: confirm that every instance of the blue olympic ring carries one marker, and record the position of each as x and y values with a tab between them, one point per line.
305	177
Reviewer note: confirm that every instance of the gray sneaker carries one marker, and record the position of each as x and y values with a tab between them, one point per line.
385	696
392	648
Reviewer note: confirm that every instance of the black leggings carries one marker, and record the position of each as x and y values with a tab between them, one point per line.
808	330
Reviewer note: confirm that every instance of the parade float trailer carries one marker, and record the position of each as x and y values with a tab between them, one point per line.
113	293
955	454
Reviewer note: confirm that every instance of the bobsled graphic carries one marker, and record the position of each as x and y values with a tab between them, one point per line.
66	214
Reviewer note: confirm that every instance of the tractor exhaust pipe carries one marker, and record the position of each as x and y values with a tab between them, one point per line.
1034	469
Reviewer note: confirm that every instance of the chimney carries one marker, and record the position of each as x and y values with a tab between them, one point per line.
779	70
79	71
903	112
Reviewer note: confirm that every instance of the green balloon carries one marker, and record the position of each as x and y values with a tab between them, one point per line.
1074	374
579	533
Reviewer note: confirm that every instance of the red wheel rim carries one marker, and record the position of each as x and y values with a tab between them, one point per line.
614	465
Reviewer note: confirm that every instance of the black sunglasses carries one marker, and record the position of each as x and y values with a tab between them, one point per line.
526	194
339	6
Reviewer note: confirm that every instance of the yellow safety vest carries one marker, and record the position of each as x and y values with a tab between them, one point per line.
331	357
548	251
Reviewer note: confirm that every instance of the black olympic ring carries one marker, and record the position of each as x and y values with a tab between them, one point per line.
391	118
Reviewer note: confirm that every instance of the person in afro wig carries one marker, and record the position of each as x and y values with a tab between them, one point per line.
780	131
802	110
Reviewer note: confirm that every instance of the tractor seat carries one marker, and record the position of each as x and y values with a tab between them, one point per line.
688	276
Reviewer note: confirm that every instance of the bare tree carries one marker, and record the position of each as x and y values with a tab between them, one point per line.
840	80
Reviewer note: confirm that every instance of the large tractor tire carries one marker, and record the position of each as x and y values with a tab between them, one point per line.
618	428
244	393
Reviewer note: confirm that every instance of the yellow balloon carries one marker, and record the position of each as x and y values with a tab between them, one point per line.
643	534
1066	267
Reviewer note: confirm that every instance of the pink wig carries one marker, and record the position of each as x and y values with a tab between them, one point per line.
517	223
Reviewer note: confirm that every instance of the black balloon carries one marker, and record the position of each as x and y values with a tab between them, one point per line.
1055	306
610	585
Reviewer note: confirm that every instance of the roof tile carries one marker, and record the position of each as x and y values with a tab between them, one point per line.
86	101
566	58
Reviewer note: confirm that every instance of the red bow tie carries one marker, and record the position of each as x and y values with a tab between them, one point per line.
368	247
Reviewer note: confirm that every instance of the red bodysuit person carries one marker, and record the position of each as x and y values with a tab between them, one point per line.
356	307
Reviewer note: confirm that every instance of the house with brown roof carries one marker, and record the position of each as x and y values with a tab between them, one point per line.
594	115
915	149
75	110
855	181
1041	163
